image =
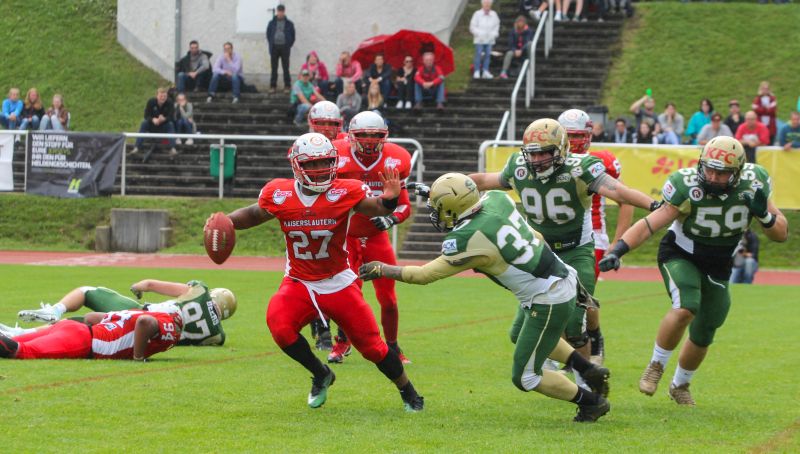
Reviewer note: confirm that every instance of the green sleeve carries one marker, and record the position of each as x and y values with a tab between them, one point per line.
454	244
591	168
511	165
675	191
762	179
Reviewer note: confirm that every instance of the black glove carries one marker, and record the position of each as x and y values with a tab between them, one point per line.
384	222
370	271
757	203
612	260
420	189
656	205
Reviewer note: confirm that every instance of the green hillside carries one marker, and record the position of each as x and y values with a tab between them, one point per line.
70	47
686	52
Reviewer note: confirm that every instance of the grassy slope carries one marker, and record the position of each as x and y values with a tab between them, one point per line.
686	52
70	47
455	332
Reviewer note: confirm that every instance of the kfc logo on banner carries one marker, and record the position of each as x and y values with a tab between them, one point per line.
278	197
335	194
665	165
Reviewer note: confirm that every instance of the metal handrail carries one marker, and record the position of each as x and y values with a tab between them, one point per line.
502	127
512	122
492	143
529	91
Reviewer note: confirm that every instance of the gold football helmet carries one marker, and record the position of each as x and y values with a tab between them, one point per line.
724	155
453	197
542	137
225	301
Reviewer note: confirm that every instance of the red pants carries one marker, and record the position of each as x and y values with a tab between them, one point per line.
291	308
66	339
378	247
598	255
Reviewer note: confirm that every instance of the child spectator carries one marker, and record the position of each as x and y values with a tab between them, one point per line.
159	114
57	116
349	103
429	80
404	82
621	132
735	117
227	68
485	28
184	122
644	135
671	120
380	73
375	98
790	133
766	107
714	129
12	110
700	118
644	108
318	71
752	134
32	111
347	68
304	95
519	44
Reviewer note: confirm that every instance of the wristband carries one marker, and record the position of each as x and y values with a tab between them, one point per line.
390	204
768	220
620	249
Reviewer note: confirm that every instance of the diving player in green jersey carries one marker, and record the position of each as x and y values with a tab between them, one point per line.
708	209
202	309
556	189
489	234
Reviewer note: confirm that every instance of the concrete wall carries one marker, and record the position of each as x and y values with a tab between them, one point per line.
147	28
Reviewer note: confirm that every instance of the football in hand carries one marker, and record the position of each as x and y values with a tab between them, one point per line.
220	237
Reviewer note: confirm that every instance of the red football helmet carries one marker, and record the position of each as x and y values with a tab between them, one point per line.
579	129
314	161
368	133
325	118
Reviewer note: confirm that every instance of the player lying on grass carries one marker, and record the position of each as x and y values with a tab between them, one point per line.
202	309
708	208
489	235
132	334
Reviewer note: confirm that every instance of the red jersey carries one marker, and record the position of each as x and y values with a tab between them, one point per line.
112	338
392	156
315	227
614	169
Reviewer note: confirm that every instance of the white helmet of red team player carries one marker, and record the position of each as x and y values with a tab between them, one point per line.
578	125
225	301
326	119
314	161
368	133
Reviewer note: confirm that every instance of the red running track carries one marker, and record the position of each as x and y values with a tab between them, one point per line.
47	258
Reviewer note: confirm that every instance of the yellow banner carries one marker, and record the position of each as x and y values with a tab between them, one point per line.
646	167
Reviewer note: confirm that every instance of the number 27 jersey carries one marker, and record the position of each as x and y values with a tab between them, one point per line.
315	227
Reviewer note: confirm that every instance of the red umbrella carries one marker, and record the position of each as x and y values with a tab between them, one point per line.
405	42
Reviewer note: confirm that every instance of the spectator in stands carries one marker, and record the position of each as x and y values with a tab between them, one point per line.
532	8
714	129
625	4
304	95
599	133
665	137
621	132
429	81
158	115
280	39
745	259
485	28
671	120
318	71
644	108
379	73
519	44
700	118
227	68
12	110
194	69
735	117
578	10
600	8
349	102
375	100
32	111
790	133
184	121
348	69
57	116
766	107
752	133
404	82
644	134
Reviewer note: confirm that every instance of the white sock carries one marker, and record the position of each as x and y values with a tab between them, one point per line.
682	376
59	309
579	381
660	355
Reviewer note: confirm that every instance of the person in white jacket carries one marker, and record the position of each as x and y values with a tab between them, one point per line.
485	28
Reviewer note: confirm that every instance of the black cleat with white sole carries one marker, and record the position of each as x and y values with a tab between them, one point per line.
591	413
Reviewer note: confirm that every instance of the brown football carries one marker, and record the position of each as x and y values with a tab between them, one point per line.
220	237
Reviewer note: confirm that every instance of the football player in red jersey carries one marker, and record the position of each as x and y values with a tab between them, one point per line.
326	119
314	210
362	156
578	125
129	334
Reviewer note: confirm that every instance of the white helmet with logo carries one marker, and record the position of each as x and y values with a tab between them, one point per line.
326	119
368	133
314	161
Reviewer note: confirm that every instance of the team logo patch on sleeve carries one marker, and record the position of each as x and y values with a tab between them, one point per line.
391	163
597	169
335	194
521	173
668	191
576	172
343	160
696	194
278	197
449	246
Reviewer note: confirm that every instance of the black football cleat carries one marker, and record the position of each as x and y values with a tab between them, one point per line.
597	379
591	413
413	403
8	347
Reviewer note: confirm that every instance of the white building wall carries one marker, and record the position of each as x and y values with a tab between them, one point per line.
147	28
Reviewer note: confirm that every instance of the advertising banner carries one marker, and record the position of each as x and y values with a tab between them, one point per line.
6	156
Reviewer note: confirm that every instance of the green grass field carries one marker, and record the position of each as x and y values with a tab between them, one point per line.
247	396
